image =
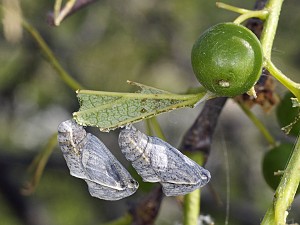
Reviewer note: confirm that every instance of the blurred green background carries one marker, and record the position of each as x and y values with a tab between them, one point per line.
102	46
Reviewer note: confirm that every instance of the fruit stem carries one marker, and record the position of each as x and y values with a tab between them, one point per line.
260	126
232	8
285	191
261	14
245	13
270	26
287	82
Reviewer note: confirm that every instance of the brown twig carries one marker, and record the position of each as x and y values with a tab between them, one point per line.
199	136
145	212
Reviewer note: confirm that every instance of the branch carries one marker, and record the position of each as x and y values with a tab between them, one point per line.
198	137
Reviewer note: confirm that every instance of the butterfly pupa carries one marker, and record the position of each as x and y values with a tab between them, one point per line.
157	161
89	159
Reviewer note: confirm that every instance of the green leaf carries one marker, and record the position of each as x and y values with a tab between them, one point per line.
110	110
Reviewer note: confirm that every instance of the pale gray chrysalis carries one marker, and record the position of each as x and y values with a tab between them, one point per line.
157	161
89	159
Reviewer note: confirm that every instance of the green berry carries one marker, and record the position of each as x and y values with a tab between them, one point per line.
227	59
276	160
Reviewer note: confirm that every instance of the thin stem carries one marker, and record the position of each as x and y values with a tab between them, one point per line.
285	191
232	8
51	58
267	39
261	14
258	124
157	129
191	208
38	165
245	13
270	26
287	82
148	127
192	200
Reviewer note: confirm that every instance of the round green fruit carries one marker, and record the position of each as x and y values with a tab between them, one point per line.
227	59
276	160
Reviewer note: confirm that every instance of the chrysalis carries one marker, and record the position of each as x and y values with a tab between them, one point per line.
89	159
157	161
